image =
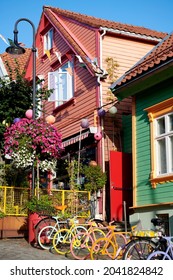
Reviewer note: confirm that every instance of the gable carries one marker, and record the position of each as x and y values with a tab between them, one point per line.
84	35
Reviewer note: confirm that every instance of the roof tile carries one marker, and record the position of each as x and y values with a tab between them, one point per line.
54	14
21	59
98	22
159	54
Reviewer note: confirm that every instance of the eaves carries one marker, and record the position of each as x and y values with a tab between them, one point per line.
141	82
131	34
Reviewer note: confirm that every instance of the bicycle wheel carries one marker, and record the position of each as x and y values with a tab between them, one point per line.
80	245
159	255
138	249
62	240
119	240
45	237
103	249
96	233
77	229
48	221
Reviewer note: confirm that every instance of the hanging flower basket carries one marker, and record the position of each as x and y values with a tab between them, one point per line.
30	142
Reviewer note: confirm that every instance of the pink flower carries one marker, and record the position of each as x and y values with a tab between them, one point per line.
34	135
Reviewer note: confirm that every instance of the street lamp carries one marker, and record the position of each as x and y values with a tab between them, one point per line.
16	49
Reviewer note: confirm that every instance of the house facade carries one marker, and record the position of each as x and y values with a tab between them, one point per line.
149	83
79	56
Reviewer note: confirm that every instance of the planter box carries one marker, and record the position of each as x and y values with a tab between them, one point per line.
12	226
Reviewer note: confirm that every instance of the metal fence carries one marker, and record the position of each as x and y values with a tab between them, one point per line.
13	201
78	202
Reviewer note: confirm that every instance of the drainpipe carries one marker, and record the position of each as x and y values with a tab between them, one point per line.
102	126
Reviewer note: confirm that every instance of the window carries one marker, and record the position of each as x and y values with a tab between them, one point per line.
164	144
48	40
161	131
62	84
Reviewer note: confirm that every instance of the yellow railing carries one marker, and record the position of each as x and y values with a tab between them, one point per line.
13	201
78	202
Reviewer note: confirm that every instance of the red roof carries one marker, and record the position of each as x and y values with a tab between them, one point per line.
98	22
161	53
21	59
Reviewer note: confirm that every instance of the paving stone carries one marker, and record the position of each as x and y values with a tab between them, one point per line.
20	249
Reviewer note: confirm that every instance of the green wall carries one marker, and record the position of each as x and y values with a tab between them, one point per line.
127	133
145	193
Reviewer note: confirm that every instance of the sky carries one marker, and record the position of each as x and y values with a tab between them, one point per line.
153	14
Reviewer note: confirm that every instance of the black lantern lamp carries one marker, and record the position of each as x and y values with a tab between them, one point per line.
15	49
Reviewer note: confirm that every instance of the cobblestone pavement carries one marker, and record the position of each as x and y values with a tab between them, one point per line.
20	249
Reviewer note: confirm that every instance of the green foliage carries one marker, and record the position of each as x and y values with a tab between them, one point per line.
16	97
42	205
2	214
73	170
11	176
111	69
95	178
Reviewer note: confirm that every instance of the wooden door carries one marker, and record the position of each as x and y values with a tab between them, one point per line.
120	184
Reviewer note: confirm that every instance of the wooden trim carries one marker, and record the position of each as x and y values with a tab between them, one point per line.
153	205
160	109
153	161
71	101
160	180
46	29
154	112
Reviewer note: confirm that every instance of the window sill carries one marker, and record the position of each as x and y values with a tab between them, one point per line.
71	101
161	180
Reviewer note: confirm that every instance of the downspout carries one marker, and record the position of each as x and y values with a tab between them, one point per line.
102	126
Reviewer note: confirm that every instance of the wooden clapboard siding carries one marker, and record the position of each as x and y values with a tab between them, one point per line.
84	34
126	53
85	103
145	194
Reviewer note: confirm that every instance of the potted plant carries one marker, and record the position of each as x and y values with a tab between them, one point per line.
42	205
2	215
38	207
95	178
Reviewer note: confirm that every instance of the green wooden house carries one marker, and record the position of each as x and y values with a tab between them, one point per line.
150	83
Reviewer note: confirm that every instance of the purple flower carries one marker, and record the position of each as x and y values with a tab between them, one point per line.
34	135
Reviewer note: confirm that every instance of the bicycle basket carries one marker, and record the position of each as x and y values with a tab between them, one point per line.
145	233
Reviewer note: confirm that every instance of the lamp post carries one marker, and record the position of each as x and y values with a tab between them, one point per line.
16	49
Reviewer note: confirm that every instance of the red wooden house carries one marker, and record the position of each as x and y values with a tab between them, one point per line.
76	56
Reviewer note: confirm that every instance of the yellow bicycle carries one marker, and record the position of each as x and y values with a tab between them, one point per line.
63	237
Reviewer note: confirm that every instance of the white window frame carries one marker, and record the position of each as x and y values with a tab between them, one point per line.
61	82
48	40
164	160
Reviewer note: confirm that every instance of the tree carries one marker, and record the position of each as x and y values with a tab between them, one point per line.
16	97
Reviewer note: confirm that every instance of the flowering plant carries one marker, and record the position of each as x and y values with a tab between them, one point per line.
31	141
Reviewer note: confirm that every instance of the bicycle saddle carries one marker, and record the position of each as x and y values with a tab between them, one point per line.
157	221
